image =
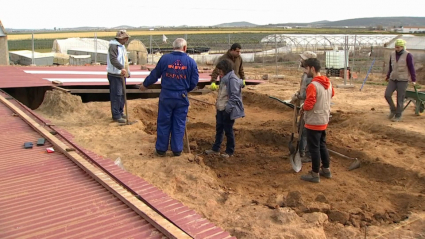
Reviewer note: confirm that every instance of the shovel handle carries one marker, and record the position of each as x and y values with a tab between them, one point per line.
294	123
344	156
124	85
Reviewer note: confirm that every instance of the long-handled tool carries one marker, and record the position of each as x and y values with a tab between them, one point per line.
201	101
285	102
353	165
187	138
295	156
294	123
125	103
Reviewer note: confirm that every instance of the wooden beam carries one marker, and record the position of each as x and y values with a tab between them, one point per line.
132	91
61	89
159	222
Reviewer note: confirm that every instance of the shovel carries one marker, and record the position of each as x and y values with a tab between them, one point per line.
353	165
295	156
125	103
294	123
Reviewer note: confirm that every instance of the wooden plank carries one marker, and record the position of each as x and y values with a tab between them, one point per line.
159	222
133	91
61	89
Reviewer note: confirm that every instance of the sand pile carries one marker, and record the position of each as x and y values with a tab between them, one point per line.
58	104
420	75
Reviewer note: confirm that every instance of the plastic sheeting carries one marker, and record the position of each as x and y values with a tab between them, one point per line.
87	44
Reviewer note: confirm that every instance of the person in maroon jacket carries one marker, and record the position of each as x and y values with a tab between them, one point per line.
401	69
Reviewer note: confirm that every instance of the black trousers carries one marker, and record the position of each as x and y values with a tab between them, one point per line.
316	141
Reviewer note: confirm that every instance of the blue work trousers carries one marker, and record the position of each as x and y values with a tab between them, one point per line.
172	115
116	95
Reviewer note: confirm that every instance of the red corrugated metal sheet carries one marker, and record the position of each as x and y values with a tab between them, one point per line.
185	218
47	196
12	76
88	75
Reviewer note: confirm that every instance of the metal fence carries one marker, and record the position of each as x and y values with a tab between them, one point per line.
260	48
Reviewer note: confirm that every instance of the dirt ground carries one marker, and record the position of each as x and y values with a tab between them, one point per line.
256	194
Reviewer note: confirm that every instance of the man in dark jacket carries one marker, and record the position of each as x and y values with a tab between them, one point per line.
229	107
179	75
401	70
118	71
234	55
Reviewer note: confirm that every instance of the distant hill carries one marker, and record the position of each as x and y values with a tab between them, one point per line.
122	27
363	22
380	21
386	22
83	28
236	24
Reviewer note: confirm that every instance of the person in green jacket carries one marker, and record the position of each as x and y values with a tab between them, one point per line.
234	55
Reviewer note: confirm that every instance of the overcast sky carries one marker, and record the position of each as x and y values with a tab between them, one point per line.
111	13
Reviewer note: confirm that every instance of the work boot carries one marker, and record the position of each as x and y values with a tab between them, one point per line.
160	153
325	172
120	120
124	116
397	118
225	155
210	151
176	154
311	177
305	159
391	115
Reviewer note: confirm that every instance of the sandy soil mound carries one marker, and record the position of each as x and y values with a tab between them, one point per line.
57	103
256	194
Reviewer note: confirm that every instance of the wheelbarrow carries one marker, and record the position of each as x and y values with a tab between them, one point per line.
419	99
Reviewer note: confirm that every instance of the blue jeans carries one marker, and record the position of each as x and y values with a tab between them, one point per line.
224	123
172	115
116	95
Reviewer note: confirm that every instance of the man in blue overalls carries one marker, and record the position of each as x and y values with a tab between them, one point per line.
179	75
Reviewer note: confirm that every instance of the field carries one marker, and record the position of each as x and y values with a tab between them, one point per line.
190	31
256	194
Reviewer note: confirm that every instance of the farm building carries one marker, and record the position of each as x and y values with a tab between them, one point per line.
99	56
4	52
320	42
137	52
411	29
82	44
416	46
25	58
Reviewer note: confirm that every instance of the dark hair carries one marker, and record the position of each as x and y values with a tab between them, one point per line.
225	65
313	62
235	46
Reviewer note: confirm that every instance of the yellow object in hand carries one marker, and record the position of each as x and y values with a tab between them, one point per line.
213	86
